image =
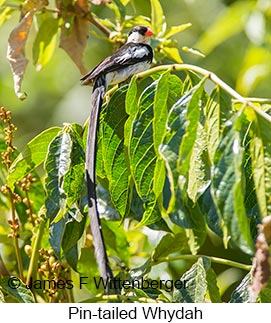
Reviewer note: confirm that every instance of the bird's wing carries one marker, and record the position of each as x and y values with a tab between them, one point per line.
129	54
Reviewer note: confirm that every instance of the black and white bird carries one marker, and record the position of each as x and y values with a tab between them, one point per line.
132	58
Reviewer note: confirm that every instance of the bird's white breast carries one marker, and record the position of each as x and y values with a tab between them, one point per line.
125	73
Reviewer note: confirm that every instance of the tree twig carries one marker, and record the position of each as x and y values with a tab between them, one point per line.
32	270
213	77
97	24
217	260
15	237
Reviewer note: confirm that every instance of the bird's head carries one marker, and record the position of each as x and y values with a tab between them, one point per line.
140	34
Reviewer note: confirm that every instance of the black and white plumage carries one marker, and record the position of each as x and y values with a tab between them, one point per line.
132	58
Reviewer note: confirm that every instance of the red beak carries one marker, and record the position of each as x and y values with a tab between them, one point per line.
149	32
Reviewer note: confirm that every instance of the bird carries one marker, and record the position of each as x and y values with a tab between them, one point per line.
133	57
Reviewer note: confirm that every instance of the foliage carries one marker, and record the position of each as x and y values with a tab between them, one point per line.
71	19
251	18
183	159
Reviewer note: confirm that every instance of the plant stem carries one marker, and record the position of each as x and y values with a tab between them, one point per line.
217	260
257	100
96	23
32	270
213	77
15	238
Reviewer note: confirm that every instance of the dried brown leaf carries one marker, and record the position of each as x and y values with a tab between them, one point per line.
15	53
261	260
16	44
74	40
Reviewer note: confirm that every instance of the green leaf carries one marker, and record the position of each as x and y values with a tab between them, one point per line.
137	21
172	53
117	240
196	174
260	149
45	42
199	170
74	229
169	149
140	293
66	171
141	151
144	136
240	294
33	154
160	109
178	143
208	208
131	110
57	165
72	256
176	149
192	51
119	9
189	216
21	293
141	271
151	213
159	125
228	188
169	244
74	184
100	171
87	270
196	284
212	286
265	294
74	181
218	111
157	17
196	232
191	128
176	29
192	80
137	209
114	154
142	154
57	230
131	98
153	293
160	225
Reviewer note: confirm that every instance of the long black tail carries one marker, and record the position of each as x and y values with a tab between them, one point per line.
96	230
